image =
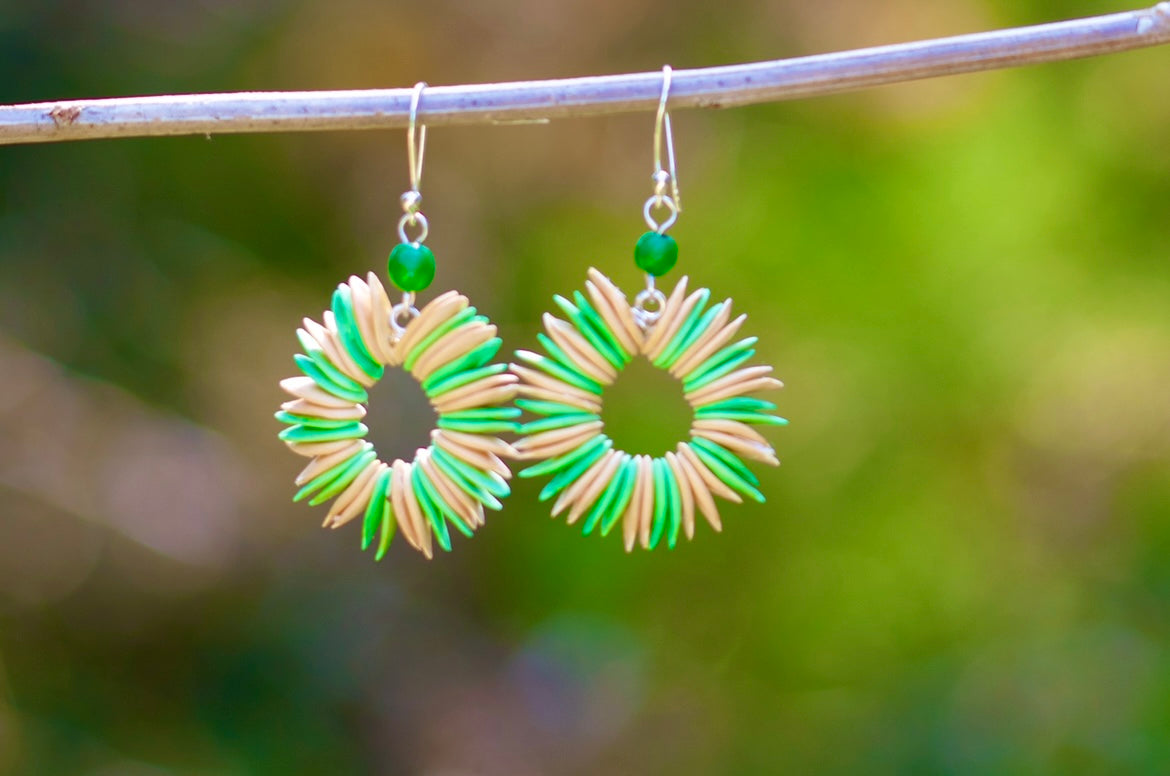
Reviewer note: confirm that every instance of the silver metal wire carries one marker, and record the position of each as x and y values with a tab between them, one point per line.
663	176
416	145
643	316
405	307
415	156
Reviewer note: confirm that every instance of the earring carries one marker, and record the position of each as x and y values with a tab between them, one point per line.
448	348
652	496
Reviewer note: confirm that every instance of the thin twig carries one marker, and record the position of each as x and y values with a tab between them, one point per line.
522	101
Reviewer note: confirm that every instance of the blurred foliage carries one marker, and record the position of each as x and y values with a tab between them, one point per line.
962	567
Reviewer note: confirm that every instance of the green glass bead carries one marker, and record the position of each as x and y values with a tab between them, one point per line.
411	266
655	253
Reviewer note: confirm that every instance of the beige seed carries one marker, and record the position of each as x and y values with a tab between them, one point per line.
569	495
382	343
363	314
414	509
439	309
669	310
479	387
316	449
718	323
337	347
741	446
713	483
632	516
686	495
496	396
309	409
701	492
697	397
488	444
468	508
545	394
563	391
337	355
355	498
399	472
543	444
619	307
757	385
673	326
478	459
583	355
732	427
306	388
451	346
589	494
646	520
697	354
324	463
611	310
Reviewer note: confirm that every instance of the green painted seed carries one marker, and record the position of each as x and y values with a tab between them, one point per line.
559	462
463	316
429	509
549	408
729	477
458	379
447	465
655	253
740	403
308	420
601	506
630	469
602	345
351	335
488	481
682	342
717	359
553	368
594	320
411	266
298	433
374	510
556	421
473	360
730	459
347	475
692	326
674	506
560	356
660	503
389	526
742	417
330	382
571	473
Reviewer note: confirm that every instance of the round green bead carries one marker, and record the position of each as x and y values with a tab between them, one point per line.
655	253
411	266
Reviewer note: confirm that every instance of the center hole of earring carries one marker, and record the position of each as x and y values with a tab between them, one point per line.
644	411
400	418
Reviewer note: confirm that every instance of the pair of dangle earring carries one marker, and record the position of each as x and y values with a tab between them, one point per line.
449	349
653	497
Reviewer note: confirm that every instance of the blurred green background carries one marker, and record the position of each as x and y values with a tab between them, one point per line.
963	566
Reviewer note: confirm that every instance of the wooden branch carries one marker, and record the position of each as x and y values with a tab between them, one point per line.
525	101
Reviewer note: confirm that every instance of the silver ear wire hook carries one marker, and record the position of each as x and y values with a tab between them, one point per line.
669	174
415	158
416	145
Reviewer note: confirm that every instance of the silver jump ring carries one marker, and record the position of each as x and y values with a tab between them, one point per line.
411	219
405	307
642	316
660	200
